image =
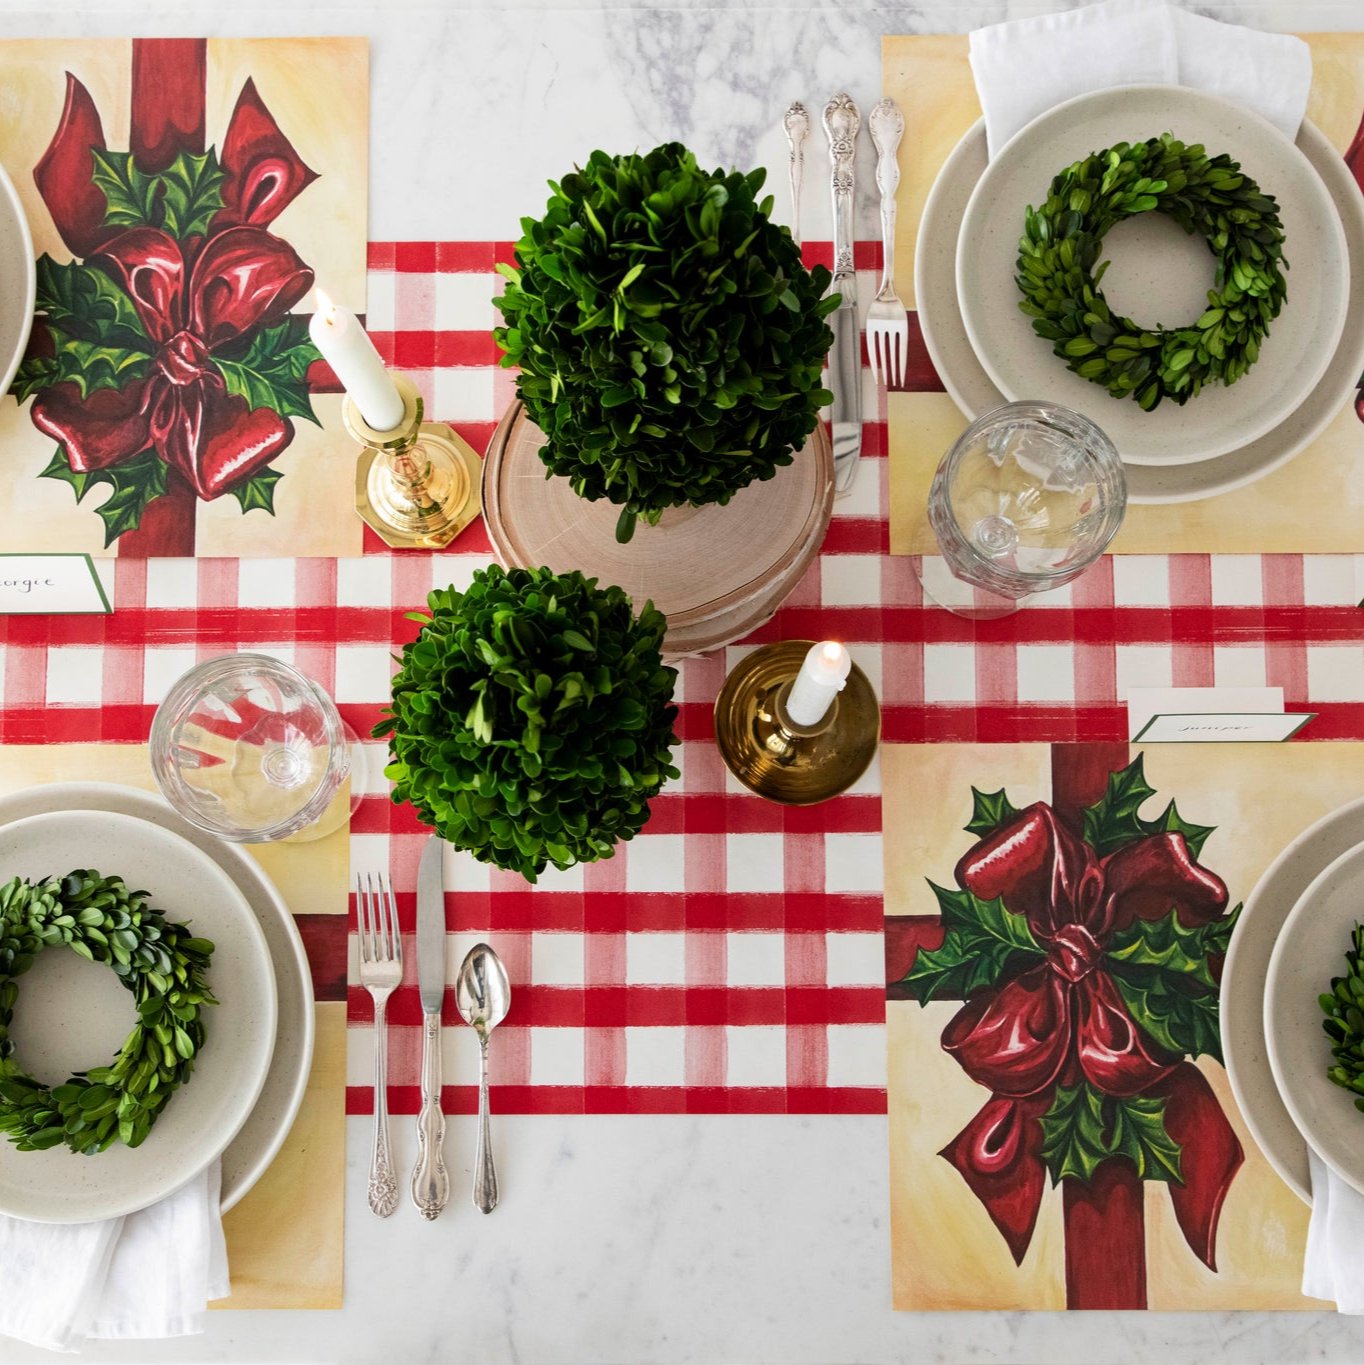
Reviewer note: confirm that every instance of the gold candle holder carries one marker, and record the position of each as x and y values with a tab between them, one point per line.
419	485
795	765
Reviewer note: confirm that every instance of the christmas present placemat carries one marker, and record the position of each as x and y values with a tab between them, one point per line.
285	1239
1284	512
1062	1131
183	195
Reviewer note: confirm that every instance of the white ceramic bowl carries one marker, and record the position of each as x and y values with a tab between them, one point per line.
1163	281
73	1014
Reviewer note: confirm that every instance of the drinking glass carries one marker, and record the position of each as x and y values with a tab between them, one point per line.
251	750
1026	500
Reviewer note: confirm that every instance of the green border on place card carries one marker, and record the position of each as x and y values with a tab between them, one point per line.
63	554
1303	718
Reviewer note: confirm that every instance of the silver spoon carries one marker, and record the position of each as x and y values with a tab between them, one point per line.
796	122
482	996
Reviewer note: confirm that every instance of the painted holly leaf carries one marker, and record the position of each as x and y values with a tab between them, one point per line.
130	192
182	199
135	483
191	193
1217	935
273	371
1164	945
1114	821
1183	1022
1085	1127
258	491
87	364
990	811
83	301
981	938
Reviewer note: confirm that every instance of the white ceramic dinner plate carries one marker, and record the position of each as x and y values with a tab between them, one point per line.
1166	275
256	1145
975	393
18	281
72	1014
1310	951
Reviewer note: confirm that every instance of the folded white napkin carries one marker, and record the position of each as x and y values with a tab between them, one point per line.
1334	1265
1027	66
150	1274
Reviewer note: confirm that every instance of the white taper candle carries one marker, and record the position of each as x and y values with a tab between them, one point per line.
346	347
820	680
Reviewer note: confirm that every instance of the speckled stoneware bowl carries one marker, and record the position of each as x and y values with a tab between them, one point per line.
73	1014
1309	952
18	281
1159	275
256	1145
1242	1004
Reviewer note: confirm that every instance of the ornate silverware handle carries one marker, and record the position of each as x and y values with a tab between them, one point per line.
887	126
797	124
841	125
430	1181
485	1173
383	1184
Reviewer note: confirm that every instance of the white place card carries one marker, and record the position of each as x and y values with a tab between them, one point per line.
1222	727
51	585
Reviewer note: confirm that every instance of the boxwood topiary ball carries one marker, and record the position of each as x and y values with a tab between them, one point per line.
669	338
532	717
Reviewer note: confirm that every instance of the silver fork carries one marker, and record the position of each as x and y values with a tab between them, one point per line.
381	969
887	323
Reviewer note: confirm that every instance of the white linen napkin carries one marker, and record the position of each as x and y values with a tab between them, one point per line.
1333	1267
1027	66
148	1275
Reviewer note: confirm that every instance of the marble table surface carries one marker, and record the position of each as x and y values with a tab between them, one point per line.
642	1238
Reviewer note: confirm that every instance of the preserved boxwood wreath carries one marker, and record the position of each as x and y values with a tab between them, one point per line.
1209	196
155	958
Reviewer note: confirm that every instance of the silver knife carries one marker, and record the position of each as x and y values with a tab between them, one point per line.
841	124
430	1181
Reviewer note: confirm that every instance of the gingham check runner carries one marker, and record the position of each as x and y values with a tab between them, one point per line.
729	958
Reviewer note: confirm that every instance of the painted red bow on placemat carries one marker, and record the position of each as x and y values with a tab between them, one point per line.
1088	967
166	351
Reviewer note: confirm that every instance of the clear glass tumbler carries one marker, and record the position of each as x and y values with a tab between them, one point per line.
1026	500
251	750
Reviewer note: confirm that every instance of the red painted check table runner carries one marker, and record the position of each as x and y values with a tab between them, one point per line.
729	958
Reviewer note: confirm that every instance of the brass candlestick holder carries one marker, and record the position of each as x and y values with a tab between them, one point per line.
795	765
419	485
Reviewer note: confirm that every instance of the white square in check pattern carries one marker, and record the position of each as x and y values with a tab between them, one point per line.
1238	665
363	673
755	959
464	301
852	863
949	673
857	1054
754	862
1327	580
75	675
1045	672
1142	666
463	394
172	583
366	582
656	1056
380	301
161	668
755	1055
854	959
556	1056
850	580
266	583
1141	581
556	959
655	863
1237	580
655	959
1334	673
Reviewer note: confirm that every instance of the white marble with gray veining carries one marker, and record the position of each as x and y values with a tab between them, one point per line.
643	1239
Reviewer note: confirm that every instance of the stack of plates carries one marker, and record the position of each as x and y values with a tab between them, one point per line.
1290	942
249	1080
986	352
